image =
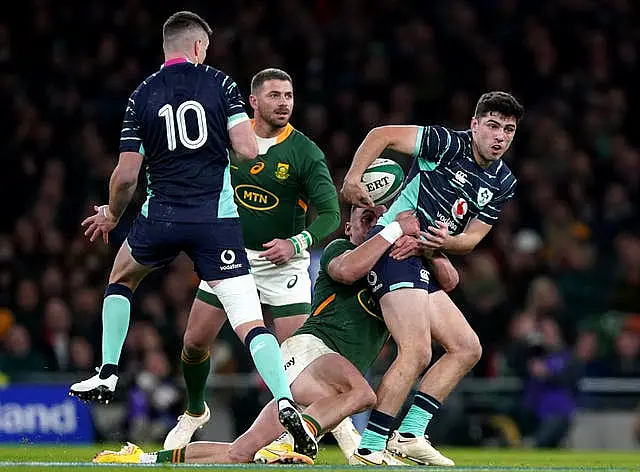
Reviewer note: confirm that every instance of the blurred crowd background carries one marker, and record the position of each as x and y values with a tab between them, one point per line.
559	276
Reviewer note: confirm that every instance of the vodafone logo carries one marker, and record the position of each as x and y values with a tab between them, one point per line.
459	208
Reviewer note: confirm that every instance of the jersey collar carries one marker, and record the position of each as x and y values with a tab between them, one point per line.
175	60
284	134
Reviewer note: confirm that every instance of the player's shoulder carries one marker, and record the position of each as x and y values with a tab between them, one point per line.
148	83
441	130
337	247
215	75
503	171
452	143
505	178
305	144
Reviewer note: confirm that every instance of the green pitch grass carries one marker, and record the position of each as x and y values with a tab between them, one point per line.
66	458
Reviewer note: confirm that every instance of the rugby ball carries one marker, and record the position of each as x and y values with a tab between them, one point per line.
383	180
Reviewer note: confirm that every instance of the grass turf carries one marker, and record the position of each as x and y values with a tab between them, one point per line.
67	458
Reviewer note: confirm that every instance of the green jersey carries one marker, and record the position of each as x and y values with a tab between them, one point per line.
274	190
345	317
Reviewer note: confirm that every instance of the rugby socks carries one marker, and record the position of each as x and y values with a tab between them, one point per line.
375	436
172	456
267	358
312	424
116	310
195	369
415	423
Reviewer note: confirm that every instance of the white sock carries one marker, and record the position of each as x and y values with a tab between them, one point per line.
148	458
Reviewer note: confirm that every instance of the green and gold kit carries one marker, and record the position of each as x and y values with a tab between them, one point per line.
274	190
345	317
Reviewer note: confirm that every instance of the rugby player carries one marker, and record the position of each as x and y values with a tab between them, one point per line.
180	122
458	185
273	194
326	358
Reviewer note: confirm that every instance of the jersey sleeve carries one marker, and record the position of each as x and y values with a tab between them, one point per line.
319	188
130	135
234	103
491	212
435	145
333	250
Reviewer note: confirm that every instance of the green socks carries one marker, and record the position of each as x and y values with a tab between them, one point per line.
195	371
116	310
172	455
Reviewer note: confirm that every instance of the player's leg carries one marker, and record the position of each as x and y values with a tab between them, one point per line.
463	350
204	324
137	256
222	262
403	291
325	381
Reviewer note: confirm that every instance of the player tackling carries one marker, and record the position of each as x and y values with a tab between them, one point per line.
326	358
180	122
458	185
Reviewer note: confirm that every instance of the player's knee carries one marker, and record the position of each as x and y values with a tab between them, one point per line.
415	358
469	349
194	343
474	350
123	279
367	398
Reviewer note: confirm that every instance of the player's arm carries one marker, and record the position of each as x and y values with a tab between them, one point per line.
123	182
319	187
397	138
241	135
124	178
243	141
352	265
440	265
438	237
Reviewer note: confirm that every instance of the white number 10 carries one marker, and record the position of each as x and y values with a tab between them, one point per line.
167	113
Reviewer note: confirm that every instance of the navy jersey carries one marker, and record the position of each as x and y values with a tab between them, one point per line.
446	183
179	118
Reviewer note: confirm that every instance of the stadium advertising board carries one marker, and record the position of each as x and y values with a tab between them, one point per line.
43	414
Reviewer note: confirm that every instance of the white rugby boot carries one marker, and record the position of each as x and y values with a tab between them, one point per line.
95	389
417	450
182	432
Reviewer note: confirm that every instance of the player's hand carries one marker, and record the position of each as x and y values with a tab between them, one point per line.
437	236
353	192
408	222
100	224
406	247
278	251
446	275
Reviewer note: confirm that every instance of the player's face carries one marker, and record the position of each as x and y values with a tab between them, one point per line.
492	135
361	221
273	102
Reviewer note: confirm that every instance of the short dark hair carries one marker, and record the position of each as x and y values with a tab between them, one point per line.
183	21
499	102
269	74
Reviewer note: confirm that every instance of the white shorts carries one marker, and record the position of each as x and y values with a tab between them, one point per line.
280	285
299	351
